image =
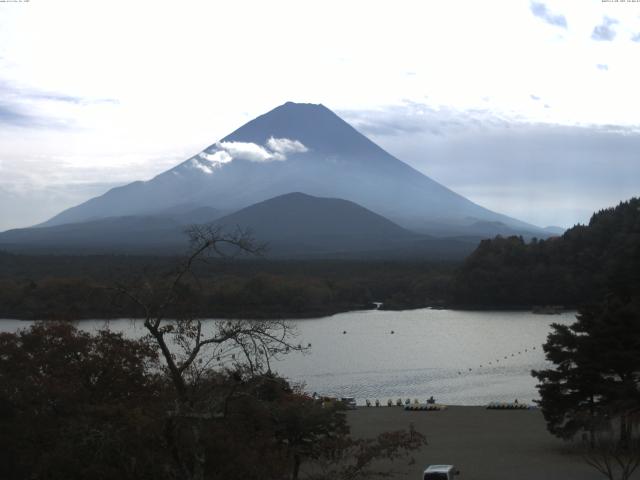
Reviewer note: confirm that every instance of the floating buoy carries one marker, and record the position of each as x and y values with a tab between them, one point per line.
344	332
392	332
309	345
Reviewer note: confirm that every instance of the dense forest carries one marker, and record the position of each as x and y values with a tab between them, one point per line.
77	287
569	271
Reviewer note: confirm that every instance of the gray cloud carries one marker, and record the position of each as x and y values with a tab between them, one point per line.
26	207
542	173
604	31
8	90
602	66
14	115
635	37
540	10
11	115
55	97
534	97
19	106
417	118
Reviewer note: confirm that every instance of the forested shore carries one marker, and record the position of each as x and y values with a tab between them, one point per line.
82	287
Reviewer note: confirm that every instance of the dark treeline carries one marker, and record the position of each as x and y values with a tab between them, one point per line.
570	270
77	287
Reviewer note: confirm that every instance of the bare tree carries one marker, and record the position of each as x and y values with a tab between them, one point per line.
345	458
615	458
190	347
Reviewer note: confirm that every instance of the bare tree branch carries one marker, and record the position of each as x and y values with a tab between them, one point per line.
186	342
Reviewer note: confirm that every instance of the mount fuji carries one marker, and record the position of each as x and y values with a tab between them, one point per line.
296	148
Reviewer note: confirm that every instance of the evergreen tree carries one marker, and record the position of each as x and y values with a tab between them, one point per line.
597	369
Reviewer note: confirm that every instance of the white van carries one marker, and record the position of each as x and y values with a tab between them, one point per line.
440	472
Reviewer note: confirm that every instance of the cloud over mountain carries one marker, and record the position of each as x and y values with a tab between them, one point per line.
275	150
283	146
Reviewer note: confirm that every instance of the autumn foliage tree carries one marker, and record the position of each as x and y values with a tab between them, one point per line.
75	405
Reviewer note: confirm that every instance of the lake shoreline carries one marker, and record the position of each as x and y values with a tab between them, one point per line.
320	313
244	315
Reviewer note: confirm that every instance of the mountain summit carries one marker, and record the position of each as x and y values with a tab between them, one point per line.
300	148
315	126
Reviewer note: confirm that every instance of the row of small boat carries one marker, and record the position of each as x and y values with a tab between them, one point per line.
508	406
426	407
398	403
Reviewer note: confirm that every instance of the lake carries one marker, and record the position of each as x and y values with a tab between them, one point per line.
459	357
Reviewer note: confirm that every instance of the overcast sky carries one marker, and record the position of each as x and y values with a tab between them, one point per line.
528	108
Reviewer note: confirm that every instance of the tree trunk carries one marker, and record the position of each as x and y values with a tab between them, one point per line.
172	444
592	428
296	466
624	432
199	455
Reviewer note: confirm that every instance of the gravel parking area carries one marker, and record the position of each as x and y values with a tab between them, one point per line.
483	444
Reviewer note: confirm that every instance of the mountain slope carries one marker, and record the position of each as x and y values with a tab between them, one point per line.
113	234
158	233
297	147
294	225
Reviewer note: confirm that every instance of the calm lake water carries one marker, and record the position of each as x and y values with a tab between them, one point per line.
456	356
